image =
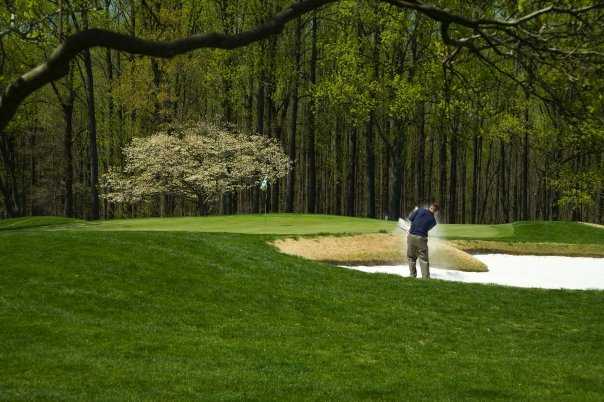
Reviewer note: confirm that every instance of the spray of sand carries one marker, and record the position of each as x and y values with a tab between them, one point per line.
375	249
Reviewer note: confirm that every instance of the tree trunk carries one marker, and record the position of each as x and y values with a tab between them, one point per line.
385	193
421	155
351	173
339	169
68	154
370	168
279	134
396	179
10	186
452	207
273	128
291	177
525	166
487	185
477	148
442	182
463	181
202	207
7	200
505	200
92	134
157	107
260	100
311	152
430	164
370	135
229	200
601	208
111	153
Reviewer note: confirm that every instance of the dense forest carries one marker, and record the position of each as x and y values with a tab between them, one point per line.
493	108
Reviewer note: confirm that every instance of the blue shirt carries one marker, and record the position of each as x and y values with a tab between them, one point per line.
422	220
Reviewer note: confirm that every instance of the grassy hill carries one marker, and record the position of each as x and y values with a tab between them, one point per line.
535	238
257	224
306	224
181	315
38	222
536	232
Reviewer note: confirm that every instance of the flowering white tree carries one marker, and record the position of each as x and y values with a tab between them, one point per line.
198	161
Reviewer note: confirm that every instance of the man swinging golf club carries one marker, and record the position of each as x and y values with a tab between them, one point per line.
422	220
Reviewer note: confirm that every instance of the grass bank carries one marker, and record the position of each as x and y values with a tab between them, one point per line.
524	248
528	232
126	315
537	238
298	224
571	239
39	222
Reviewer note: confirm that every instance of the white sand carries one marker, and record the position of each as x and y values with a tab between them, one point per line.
525	271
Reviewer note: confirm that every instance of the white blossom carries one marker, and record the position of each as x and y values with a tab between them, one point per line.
198	161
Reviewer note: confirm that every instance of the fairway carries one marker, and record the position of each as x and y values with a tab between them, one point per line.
305	224
175	315
258	224
468	231
535	232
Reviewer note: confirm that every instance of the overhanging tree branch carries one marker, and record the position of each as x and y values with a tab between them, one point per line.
58	63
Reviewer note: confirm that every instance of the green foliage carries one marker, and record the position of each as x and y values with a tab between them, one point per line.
347	88
506	126
406	97
577	188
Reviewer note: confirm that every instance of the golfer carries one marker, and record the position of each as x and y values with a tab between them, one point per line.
422	220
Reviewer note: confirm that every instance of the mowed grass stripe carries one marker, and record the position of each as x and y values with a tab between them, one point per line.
302	224
296	224
186	316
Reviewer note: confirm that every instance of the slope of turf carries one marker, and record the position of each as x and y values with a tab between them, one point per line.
35	222
475	232
535	232
115	316
558	232
258	224
303	224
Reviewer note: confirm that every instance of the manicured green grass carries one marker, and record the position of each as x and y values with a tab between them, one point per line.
35	222
302	224
529	248
558	232
113	316
257	224
476	232
535	232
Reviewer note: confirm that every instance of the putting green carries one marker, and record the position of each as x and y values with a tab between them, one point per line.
302	224
278	224
464	231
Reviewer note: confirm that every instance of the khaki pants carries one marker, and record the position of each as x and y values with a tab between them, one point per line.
417	247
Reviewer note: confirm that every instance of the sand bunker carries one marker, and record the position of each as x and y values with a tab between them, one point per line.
548	272
374	249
